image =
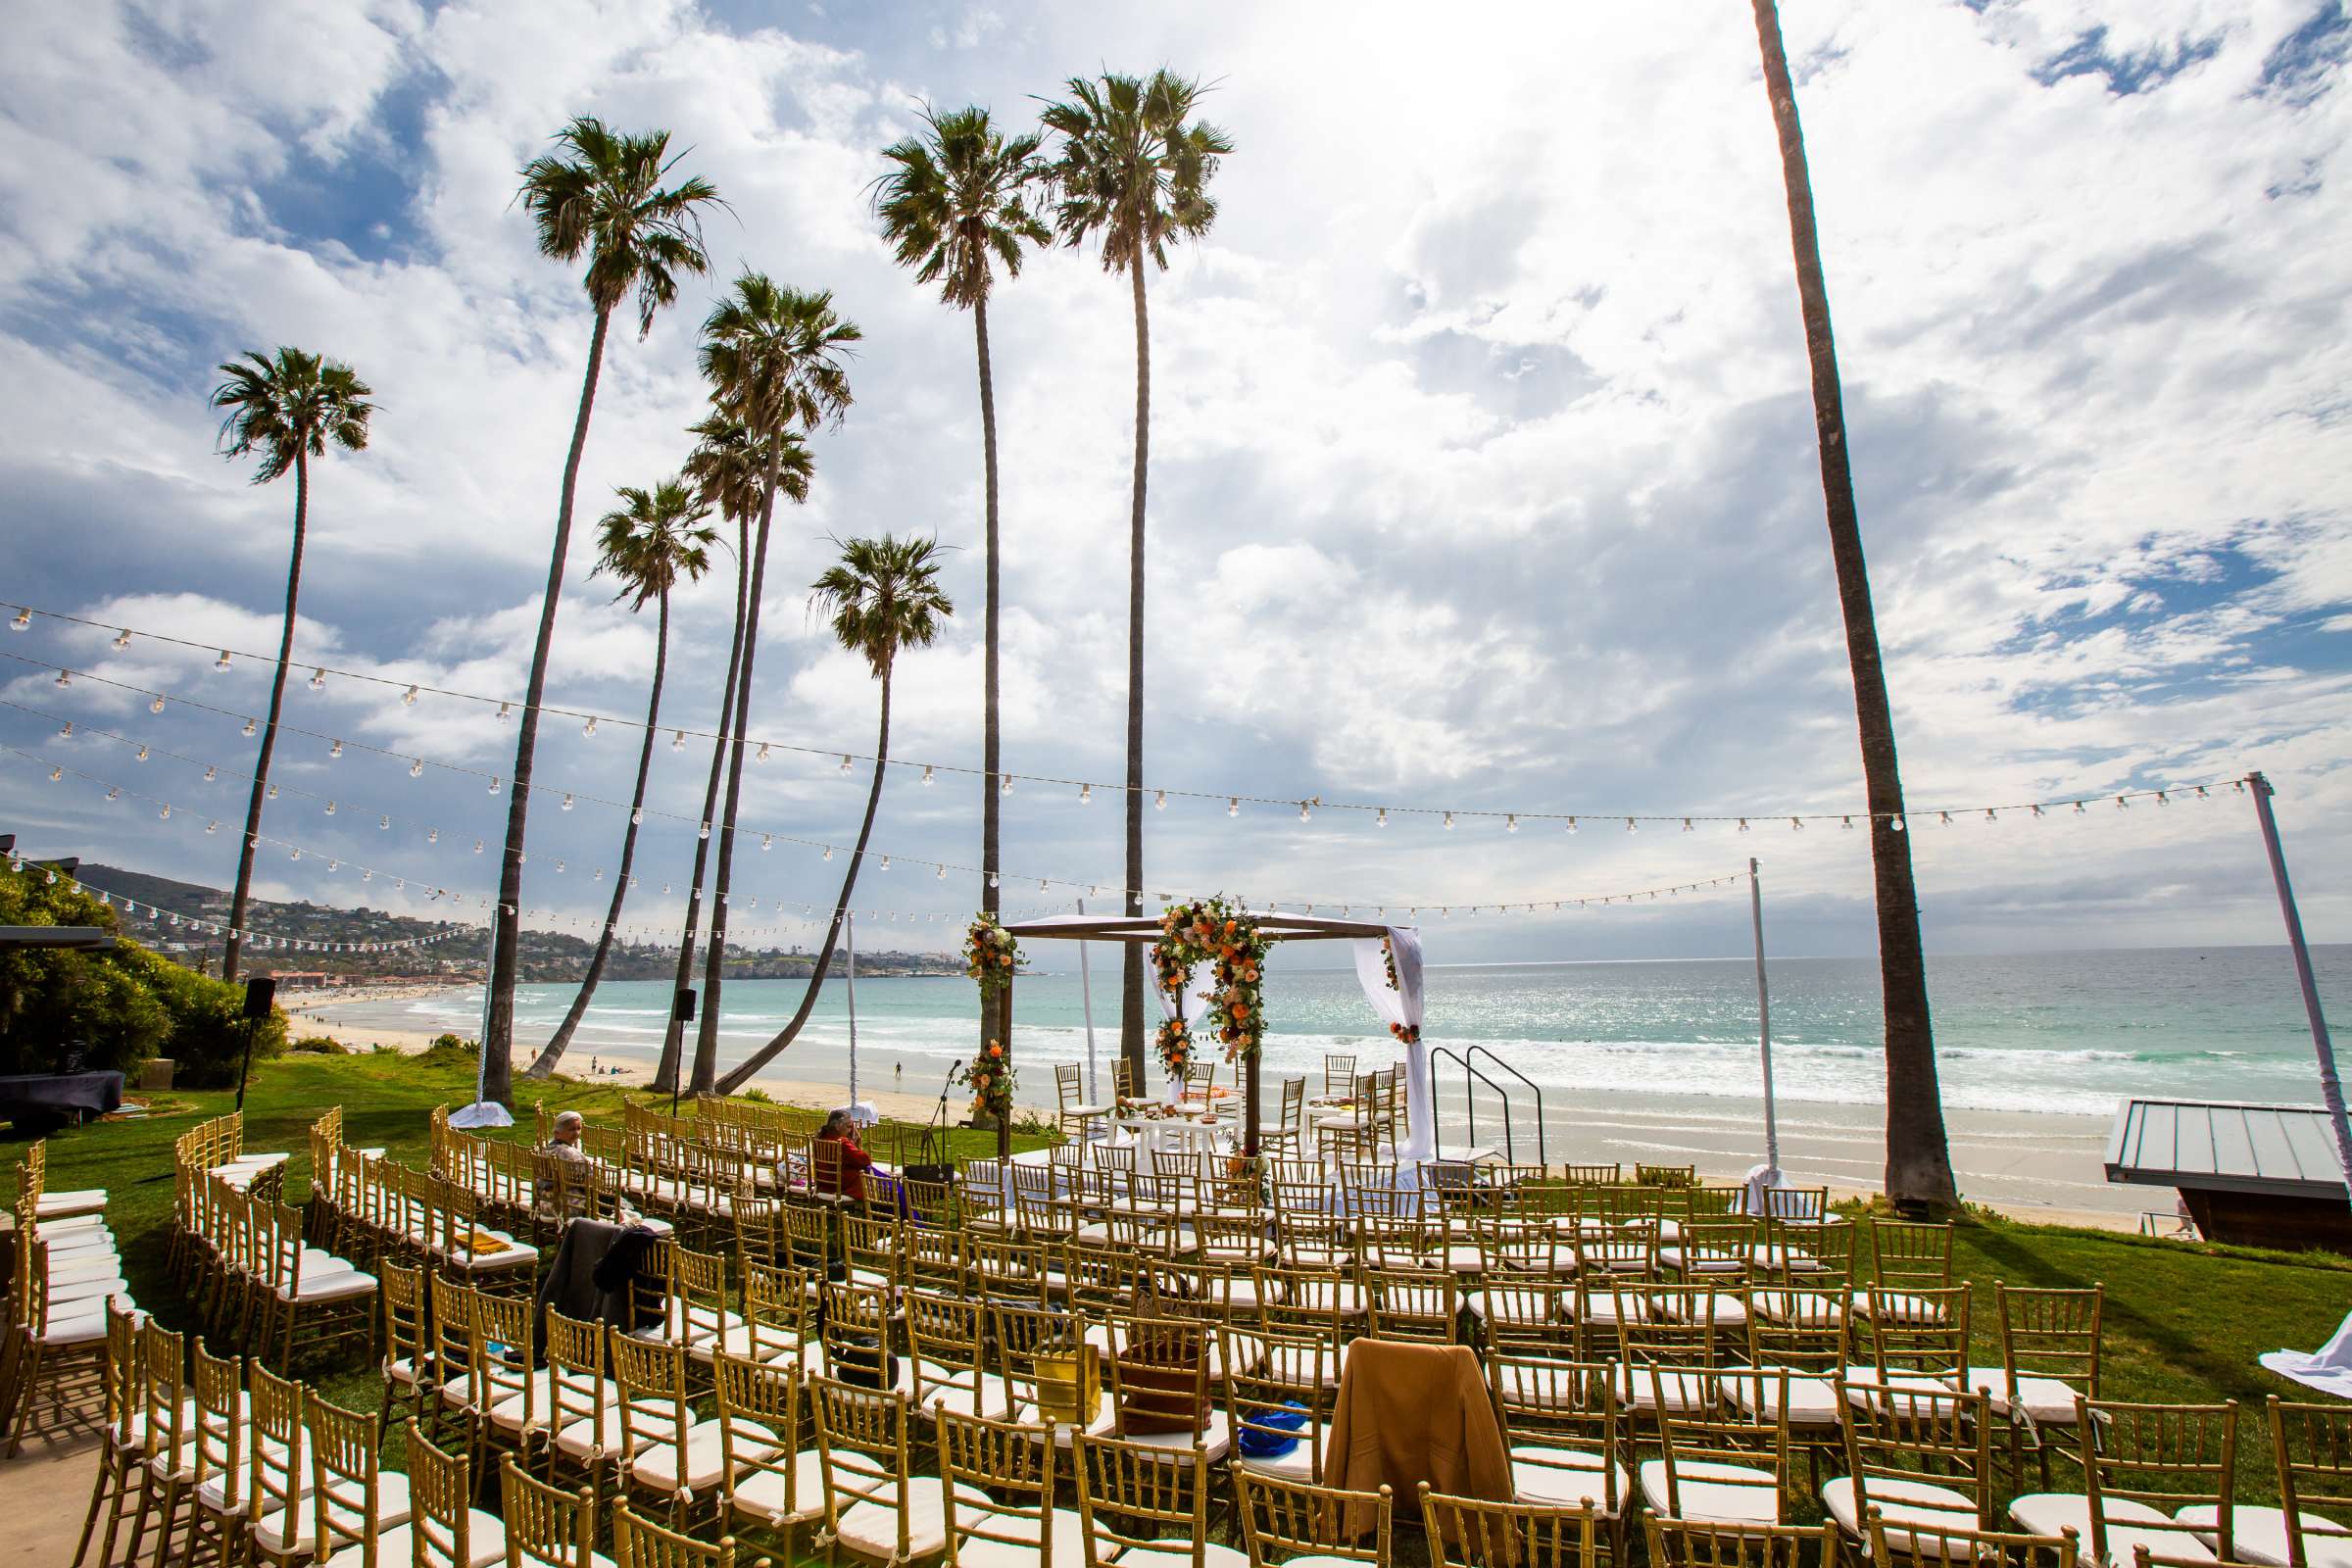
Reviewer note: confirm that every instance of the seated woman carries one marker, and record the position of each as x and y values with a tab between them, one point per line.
845	1176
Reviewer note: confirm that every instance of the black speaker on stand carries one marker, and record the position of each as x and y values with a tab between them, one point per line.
260	993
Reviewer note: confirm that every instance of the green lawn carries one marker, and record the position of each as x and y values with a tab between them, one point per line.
2184	1322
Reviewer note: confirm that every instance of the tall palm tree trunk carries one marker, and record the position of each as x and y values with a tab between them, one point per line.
674	1038
545	1062
1918	1168
705	1040
991	787
1131	970
251	841
498	1043
737	1077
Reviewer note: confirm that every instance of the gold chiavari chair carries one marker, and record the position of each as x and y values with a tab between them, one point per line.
1161	1371
278	1474
1665	1175
1099	1280
1667	1326
1026	1336
354	1502
1530	1316
513	1399
758	1223
1705	1543
1146	1503
1338	1075
1468	1533
996	1481
873	1252
122	1404
1718	1458
583	1405
944	1342
1913	1460
1002	1269
407	1368
1911	1339
808	1238
672	1461
875	1505
934	1258
221	1433
167	1471
1289	1521
700	1315
1925	1546
2311	1446
856	1332
776	1322
2049	1358
639	1543
1568	1442
1330	1298
769	1485
1907	1257
1802	1334
1415	1303
546	1525
446	1530
1279	1392
2157	1476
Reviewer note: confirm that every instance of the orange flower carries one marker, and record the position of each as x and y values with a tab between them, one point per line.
995	1049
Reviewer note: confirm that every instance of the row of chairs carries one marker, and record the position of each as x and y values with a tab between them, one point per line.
257	1283
68	1269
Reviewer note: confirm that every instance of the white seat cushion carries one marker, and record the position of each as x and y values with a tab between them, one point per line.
1639	1388
759	1495
1296	1463
1713	1492
1901	1502
1065	1528
485	1544
1563	1478
318	1292
1812	1401
1179	1555
2046	1513
2047	1402
656	1465
1899	1306
1216	1437
872	1528
53	1206
274	1533
2258	1534
90	1265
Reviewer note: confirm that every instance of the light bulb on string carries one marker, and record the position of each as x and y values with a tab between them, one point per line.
1845	823
943	873
383	824
1160	802
409	698
845	762
503	709
1232	806
1687	825
2077	807
1450	820
1743	824
432	835
212	826
1895	824
123	638
1630	827
1302	811
143	756
588	730
1988	816
335	750
1796	824
478	846
221	663
765	839
1943	820
566	800
1085	795
1004	784
994	880
828	852
211	773
886	863
677	740
2123	804
56	774
926	770
22	621
330	807
63	679
157	706
637	816
1381	818
706	831
272	793
166	812
495	782
318	680
249	726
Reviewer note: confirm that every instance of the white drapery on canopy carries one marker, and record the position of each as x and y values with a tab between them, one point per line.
1402	1006
1200	983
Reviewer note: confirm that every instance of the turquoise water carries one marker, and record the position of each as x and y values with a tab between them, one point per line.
2035	1032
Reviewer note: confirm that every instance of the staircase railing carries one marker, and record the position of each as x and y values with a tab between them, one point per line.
1471	1077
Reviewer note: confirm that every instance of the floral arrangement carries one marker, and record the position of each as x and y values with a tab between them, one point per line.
992	1079
989	954
1215	932
1408	1033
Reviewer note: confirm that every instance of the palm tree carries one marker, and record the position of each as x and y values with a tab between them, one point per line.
729	468
1919	1166
286	409
653	541
953	208
773	357
884	598
599	194
1134	169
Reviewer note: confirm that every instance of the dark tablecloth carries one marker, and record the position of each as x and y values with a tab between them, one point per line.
60	1094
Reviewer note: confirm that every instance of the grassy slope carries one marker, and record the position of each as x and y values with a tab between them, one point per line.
2184	1323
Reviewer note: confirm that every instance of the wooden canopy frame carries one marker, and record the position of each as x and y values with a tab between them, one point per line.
1272	925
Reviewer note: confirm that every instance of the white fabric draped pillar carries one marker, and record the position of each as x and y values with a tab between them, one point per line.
1402	1007
1200	982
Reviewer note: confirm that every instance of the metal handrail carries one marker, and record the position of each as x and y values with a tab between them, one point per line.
1543	1154
1470	1098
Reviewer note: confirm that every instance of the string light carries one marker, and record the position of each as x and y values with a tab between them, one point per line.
335	750
318	680
63	679
123	638
927	766
845	762
766	840
1449	821
705	832
1382	819
761	756
330	807
503	709
566	801
22	622
221	663
1004	784
828	852
886	863
678	741
249	726
495	781
409	698
1232	806
143	756
416	767
1303	813
1085	795
1160	803
1510	823
1895	824
156	707
588	730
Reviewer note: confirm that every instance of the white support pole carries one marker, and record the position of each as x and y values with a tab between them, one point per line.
1772	1124
1086	998
2332	1089
482	1113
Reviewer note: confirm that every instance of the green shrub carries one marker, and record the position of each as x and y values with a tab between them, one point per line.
318	1046
447	1051
119	1005
756	1095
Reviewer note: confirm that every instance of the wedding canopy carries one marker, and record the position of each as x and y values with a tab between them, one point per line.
1398	1008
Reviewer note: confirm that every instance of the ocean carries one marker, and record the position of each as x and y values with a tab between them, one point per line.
2049	1033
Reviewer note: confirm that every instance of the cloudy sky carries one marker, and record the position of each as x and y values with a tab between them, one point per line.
1483	469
